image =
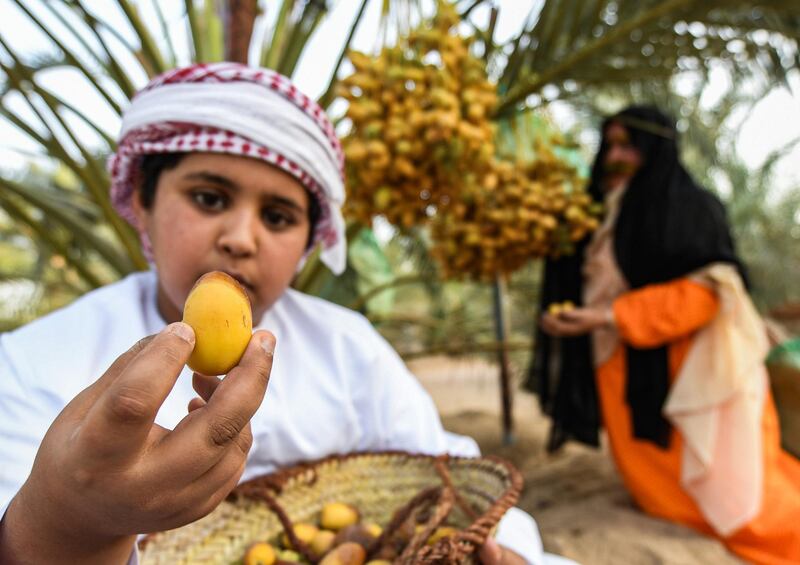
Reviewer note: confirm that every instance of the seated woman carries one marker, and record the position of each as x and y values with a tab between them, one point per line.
667	351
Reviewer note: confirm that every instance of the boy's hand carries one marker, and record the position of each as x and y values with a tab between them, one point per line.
493	554
105	472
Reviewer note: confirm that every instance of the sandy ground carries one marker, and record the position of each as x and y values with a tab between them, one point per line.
582	509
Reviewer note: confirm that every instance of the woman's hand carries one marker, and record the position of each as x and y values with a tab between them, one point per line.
493	554
105	472
579	321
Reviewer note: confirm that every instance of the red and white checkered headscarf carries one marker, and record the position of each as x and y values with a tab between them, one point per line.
239	110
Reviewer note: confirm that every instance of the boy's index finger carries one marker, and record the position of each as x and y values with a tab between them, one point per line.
124	412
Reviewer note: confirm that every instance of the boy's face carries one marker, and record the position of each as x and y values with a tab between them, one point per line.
225	213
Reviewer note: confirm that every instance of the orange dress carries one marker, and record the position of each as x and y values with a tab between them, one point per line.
670	313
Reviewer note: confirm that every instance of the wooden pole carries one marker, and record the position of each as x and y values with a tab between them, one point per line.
502	358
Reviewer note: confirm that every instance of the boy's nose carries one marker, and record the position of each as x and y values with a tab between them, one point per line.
238	237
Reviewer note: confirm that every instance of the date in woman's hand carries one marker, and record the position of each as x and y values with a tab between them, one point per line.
576	322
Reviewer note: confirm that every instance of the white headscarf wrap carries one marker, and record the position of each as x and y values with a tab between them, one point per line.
240	110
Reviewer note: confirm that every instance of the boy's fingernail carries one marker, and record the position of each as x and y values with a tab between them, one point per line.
268	345
183	331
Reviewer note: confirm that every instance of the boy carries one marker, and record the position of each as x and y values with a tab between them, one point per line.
219	167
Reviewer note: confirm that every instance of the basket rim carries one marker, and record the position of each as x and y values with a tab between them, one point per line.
278	479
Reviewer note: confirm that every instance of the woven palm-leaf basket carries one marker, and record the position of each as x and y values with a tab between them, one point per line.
388	488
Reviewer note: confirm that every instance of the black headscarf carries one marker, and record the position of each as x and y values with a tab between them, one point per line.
667	228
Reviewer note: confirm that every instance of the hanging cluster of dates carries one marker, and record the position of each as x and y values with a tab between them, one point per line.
528	210
421	151
420	124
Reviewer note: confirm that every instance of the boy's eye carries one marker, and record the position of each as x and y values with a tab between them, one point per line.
277	218
209	200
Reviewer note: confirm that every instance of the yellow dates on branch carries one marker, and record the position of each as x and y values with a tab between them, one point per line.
424	150
219	312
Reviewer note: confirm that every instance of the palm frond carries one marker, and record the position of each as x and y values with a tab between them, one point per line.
597	41
70	57
47	236
195	32
151	55
109	60
165	33
73	222
276	40
299	34
327	96
90	172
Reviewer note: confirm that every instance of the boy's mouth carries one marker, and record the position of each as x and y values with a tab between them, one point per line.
241	280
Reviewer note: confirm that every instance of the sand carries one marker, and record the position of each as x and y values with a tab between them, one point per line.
576	497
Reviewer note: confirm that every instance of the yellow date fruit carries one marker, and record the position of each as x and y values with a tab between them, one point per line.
441	532
346	554
322	542
305	533
374	529
338	515
260	553
218	310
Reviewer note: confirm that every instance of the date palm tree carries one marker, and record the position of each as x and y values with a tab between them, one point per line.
58	212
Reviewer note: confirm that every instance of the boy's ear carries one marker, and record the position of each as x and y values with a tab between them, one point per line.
138	209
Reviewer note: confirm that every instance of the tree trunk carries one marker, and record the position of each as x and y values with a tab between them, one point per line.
240	17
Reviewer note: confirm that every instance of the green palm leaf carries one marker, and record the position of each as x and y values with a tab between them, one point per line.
599	41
